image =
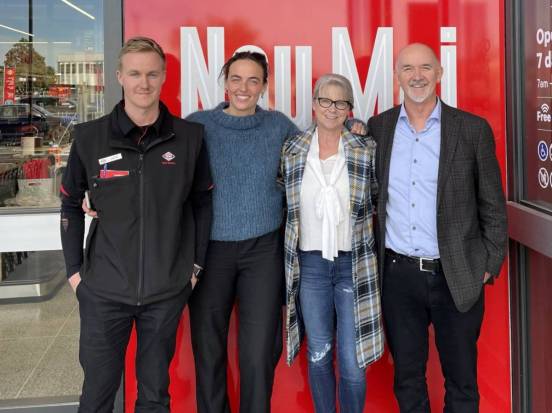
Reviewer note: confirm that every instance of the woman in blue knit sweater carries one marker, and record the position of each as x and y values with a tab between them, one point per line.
245	255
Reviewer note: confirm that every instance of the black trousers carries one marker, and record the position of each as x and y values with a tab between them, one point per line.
412	299
105	331
251	273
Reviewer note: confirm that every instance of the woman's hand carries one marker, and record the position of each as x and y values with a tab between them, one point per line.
88	211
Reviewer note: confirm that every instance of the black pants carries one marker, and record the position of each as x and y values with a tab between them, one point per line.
105	330
412	299
250	271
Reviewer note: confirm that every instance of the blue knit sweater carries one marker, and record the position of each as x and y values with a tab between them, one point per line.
244	153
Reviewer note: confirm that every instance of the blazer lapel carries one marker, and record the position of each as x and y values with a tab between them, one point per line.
384	149
450	128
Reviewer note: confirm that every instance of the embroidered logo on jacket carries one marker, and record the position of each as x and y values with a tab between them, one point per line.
168	158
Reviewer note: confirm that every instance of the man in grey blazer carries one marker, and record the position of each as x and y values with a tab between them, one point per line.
441	232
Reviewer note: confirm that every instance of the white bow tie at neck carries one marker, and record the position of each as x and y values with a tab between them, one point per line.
327	205
328	209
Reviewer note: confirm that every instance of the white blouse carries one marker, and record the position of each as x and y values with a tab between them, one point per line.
324	216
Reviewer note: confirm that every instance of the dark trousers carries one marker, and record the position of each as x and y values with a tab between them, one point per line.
251	272
105	330
412	299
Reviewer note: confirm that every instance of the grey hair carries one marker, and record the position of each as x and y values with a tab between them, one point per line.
336	80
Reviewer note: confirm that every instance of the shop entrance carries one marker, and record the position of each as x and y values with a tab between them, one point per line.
529	69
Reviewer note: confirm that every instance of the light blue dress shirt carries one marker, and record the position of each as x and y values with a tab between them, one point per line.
411	222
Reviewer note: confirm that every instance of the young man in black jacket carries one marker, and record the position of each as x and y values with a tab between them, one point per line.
146	175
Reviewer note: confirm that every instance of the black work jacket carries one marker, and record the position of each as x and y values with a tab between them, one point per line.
153	223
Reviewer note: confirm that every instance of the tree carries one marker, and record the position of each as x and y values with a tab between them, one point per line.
29	63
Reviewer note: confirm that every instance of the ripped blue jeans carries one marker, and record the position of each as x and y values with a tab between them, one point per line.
327	306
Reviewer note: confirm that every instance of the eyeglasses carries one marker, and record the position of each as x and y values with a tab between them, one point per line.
339	104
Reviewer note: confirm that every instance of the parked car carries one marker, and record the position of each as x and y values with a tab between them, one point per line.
21	119
54	104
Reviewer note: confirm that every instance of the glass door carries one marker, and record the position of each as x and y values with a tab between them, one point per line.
53	62
529	69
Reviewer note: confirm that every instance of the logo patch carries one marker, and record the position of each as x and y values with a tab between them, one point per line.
168	158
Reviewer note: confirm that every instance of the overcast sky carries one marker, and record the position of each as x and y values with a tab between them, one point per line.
53	21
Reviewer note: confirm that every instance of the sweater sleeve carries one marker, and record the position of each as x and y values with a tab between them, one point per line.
292	130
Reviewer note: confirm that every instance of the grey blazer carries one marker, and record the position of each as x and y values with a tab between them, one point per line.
471	209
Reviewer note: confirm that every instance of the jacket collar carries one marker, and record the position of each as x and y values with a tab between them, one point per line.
121	125
450	132
301	143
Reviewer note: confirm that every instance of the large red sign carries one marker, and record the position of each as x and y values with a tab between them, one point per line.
360	39
9	84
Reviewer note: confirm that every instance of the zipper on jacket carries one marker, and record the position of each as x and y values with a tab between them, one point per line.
142	200
142	238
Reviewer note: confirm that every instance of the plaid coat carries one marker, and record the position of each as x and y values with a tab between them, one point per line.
360	159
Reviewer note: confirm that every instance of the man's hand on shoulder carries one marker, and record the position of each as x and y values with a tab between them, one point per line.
74	281
358	127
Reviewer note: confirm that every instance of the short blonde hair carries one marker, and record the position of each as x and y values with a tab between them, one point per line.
141	44
336	80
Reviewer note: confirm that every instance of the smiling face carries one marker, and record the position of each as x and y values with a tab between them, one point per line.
141	75
418	71
244	85
331	118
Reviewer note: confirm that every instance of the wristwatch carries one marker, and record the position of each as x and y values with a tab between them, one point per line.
196	271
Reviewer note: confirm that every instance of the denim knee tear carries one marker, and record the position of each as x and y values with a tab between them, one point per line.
319	355
348	290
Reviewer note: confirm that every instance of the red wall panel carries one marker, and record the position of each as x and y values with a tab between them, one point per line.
479	86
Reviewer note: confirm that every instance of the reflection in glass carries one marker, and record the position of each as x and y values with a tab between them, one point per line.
39	328
31	267
51	77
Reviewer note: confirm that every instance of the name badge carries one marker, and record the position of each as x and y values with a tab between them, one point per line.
111	158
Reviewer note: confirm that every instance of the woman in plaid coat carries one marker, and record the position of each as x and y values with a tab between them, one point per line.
331	270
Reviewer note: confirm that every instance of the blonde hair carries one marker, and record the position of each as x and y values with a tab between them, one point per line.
141	44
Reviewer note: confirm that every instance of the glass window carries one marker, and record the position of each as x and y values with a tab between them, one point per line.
540	331
46	48
45	90
537	28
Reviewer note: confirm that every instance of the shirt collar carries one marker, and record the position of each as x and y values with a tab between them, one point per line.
314	148
126	125
435	115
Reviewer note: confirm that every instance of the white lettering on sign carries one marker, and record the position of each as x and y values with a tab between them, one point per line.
544	37
196	78
200	75
543	113
379	82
